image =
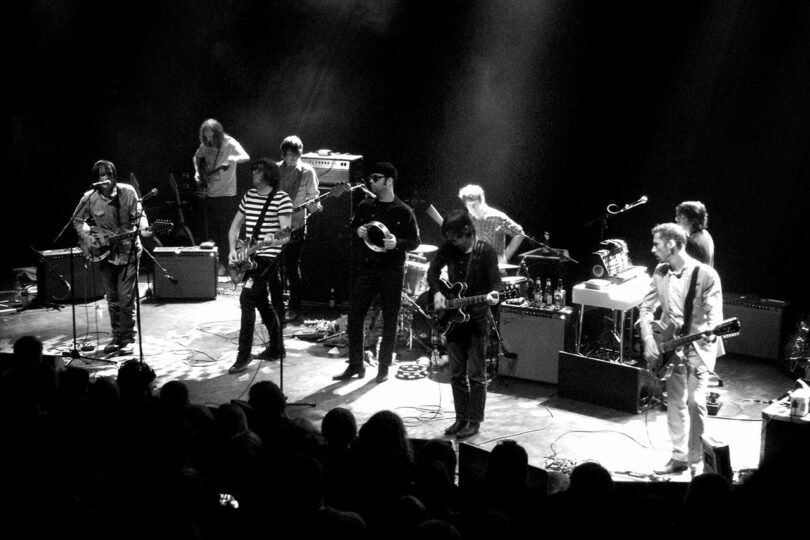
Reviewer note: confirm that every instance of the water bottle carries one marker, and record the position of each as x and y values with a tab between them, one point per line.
558	295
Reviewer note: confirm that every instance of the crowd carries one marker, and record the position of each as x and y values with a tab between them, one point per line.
119	458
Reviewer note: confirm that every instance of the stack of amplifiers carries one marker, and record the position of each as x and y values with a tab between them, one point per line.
194	268
609	384
326	254
761	322
333	168
54	278
536	336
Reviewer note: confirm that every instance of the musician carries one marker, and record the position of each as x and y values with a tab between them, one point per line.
692	216
215	175
378	270
474	262
263	198
300	181
686	388
114	208
491	225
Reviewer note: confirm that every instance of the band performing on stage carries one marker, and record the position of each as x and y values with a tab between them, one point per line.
447	299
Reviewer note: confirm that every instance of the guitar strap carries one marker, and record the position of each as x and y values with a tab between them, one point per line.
689	302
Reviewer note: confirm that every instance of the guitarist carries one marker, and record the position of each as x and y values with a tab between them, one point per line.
474	262
680	281
114	207
300	181
263	211
215	174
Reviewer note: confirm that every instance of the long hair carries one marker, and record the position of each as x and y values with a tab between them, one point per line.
216	127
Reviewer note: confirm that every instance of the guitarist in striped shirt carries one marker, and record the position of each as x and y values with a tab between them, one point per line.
265	212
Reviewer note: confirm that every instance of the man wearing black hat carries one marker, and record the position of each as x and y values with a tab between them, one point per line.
385	229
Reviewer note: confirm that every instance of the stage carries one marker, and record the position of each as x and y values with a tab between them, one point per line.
195	341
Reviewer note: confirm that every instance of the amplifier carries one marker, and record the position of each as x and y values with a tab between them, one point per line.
194	268
762	325
333	168
610	384
716	458
536	336
53	277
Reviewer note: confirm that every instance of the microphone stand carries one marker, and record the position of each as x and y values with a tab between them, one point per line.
614	211
74	353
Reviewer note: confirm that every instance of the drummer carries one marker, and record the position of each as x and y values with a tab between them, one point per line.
385	229
491	225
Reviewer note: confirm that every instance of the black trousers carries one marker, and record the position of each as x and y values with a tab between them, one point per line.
368	283
254	298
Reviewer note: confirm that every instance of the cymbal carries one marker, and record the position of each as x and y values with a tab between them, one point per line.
507	266
425	248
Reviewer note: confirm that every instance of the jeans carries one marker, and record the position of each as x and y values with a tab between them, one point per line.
254	297
290	271
119	287
367	284
219	212
466	349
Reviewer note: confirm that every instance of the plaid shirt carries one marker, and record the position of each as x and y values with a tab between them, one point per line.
487	229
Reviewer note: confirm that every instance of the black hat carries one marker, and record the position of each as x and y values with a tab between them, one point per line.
384	168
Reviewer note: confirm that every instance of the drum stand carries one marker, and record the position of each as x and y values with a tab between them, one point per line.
409	306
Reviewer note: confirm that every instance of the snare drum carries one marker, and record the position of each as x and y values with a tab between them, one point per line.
516	282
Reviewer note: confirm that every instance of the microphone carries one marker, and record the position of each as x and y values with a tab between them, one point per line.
172	279
149	195
101	183
639	202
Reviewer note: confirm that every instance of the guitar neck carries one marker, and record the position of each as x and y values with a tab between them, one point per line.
680	342
457	303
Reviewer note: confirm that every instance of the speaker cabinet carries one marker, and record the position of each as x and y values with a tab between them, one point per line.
326	255
195	270
762	326
780	429
53	277
716	457
609	384
537	336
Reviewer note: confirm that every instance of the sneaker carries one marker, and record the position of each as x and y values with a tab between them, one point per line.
112	346
240	365
126	349
673	466
469	430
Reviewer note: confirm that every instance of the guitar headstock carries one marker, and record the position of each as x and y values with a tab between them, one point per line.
340	189
161	225
728	328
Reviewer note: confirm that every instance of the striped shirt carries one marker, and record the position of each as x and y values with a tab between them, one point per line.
252	204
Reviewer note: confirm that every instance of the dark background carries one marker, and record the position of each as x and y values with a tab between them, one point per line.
557	108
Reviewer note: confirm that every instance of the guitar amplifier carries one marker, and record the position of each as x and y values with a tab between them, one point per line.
536	336
333	168
195	270
762	325
609	384
53	277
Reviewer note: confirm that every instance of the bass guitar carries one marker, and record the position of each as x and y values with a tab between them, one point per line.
670	346
454	313
245	253
97	245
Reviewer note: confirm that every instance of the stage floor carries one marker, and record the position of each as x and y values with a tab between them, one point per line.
195	341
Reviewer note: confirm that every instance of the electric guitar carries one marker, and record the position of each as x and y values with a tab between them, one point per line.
336	191
245	253
671	346
454	313
97	245
205	173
